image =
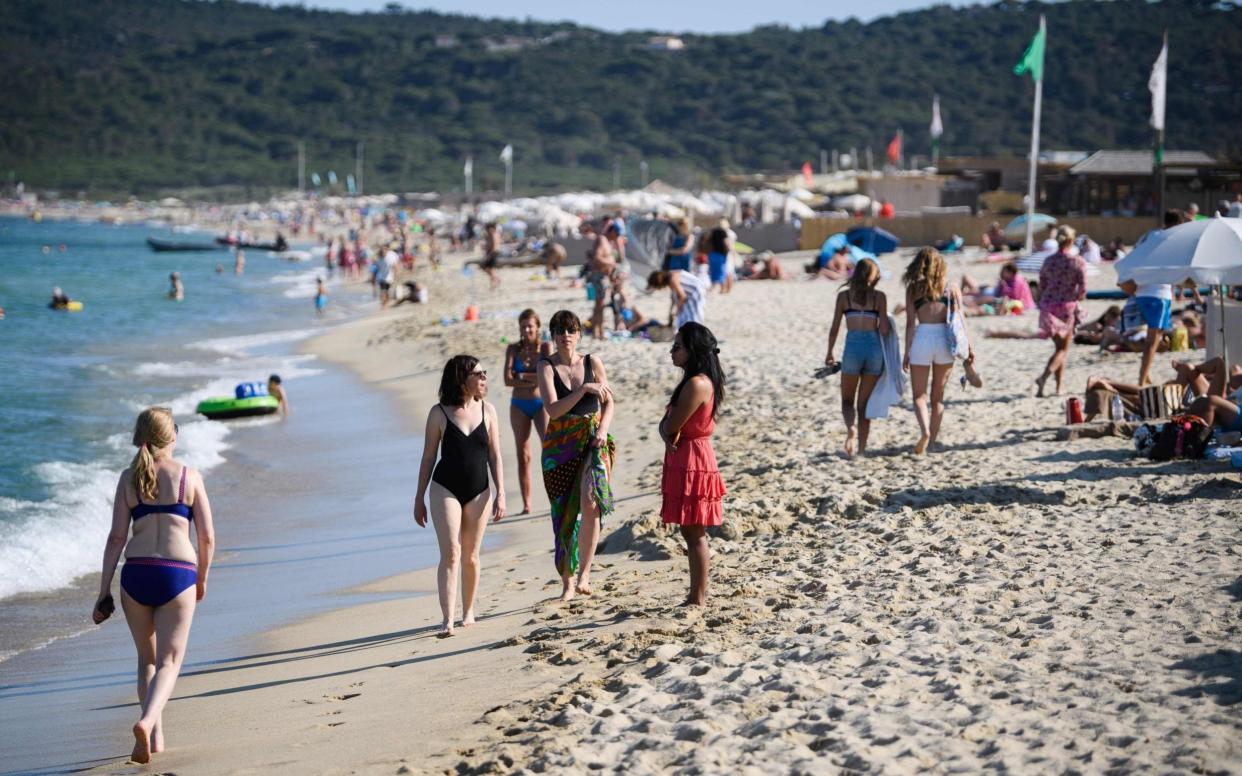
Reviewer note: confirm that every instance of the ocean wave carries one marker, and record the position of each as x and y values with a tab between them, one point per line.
241	344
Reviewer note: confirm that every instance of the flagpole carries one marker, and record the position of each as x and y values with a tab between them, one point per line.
469	173
508	176
1159	150
1030	187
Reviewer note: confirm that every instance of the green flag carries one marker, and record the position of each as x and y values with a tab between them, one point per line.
1033	60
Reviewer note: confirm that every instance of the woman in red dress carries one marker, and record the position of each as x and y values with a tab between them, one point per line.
691	485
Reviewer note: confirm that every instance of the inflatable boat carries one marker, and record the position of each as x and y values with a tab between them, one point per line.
225	407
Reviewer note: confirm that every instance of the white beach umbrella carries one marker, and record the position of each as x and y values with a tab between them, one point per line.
1208	252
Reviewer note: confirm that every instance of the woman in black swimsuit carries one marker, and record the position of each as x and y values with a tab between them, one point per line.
463	428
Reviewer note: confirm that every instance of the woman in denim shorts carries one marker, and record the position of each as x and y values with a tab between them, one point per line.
865	311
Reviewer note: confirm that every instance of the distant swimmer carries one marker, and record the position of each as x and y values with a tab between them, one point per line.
321	296
176	291
1	313
60	300
219	269
62	247
239	262
277	390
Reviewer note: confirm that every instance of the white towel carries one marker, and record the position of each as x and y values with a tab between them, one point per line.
892	385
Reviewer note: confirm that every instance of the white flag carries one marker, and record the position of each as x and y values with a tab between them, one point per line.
468	170
506	155
1158	84
937	128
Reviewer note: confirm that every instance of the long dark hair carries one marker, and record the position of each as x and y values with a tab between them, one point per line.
453	381
700	344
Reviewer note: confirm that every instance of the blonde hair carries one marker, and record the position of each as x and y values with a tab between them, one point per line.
866	275
927	274
683	225
154	430
1065	235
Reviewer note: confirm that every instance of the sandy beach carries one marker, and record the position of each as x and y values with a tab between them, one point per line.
1014	602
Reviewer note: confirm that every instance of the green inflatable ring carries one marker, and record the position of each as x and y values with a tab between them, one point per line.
224	407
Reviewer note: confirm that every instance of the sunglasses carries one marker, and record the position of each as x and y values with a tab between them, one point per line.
559	332
479	373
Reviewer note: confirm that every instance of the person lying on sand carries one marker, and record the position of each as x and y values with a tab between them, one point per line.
1093	332
835	267
1206	380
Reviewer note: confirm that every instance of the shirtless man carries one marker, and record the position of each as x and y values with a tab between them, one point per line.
599	269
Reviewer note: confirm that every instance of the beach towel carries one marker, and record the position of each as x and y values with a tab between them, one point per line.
892	385
567	452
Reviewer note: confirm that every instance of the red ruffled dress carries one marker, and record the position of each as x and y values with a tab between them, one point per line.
691	484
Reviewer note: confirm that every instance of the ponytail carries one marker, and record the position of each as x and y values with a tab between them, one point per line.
153	429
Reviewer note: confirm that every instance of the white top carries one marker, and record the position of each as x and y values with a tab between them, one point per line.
1157	290
695	292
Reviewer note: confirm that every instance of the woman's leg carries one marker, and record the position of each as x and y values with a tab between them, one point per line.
918	389
172	631
521	436
849	388
588	533
696	549
1056	363
141	622
865	386
1063	346
940	378
473	523
446	517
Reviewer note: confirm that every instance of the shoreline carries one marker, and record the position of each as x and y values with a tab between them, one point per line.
998	605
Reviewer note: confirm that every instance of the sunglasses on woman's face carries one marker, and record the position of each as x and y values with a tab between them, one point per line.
480	373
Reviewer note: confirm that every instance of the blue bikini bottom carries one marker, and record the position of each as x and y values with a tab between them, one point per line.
156	581
528	407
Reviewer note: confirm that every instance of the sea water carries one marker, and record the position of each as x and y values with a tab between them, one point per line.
71	383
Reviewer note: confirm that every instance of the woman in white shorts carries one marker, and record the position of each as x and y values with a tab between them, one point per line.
927	344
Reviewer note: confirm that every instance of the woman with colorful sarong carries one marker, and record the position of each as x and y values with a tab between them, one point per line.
577	451
690	486
1062	286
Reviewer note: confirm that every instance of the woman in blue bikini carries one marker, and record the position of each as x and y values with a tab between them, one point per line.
164	576
526	408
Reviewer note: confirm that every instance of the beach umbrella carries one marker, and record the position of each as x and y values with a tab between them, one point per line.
834	243
1207	252
1017	227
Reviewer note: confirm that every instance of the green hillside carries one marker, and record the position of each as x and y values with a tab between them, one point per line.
142	95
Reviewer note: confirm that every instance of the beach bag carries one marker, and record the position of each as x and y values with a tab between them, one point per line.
1159	401
1184	436
955	331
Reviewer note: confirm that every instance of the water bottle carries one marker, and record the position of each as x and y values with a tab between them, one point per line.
1118	410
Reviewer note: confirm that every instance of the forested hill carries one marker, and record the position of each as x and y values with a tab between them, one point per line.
139	95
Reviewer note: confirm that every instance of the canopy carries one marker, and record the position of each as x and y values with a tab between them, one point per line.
872	238
1207	252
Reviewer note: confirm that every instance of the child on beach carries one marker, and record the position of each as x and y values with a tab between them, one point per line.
927	356
277	391
176	291
691	487
164	575
525	408
463	429
321	297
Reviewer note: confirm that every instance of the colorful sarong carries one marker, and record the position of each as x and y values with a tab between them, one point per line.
567	452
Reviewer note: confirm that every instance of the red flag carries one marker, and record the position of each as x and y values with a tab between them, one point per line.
808	174
894	148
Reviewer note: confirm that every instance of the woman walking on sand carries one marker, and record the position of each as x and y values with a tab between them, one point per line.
526	408
691	487
463	428
578	452
928	358
865	311
164	575
1062	285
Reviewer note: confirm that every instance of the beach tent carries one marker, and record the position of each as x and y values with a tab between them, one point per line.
834	243
1207	252
872	238
648	241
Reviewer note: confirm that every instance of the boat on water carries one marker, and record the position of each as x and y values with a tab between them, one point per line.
159	245
279	245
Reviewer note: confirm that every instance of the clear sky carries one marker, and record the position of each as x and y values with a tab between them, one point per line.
688	15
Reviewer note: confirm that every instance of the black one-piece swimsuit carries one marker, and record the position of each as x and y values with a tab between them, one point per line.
462	468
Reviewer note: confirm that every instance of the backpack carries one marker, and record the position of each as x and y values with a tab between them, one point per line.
1184	436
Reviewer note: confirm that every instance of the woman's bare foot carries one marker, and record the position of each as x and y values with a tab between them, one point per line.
692	602
157	737
567	590
1039	384
525	510
142	744
921	446
467	618
446	630
851	439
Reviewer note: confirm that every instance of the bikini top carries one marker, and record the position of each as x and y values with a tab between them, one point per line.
873	313
519	367
181	509
587	405
924	300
